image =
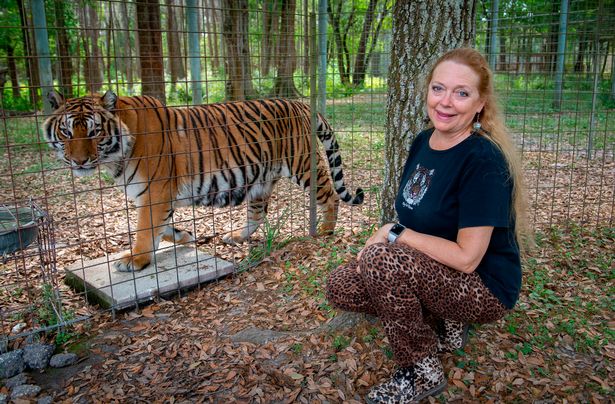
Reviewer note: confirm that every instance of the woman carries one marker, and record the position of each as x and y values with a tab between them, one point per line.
454	255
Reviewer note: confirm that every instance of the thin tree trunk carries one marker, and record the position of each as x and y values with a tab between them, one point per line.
127	50
64	56
12	70
358	75
334	17
238	69
437	26
30	50
95	64
150	49
286	54
176	65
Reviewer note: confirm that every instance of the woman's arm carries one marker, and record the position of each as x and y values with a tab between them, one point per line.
464	254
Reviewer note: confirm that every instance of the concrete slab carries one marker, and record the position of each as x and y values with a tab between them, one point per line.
174	268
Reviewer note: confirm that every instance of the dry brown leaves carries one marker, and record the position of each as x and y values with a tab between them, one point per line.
181	350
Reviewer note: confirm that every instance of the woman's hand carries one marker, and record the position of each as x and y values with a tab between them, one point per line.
380	236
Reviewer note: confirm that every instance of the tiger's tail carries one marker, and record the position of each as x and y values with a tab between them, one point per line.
327	137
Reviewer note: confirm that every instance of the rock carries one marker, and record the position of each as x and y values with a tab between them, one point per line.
3	398
45	400
16	381
36	356
19	327
63	359
25	390
4	345
11	364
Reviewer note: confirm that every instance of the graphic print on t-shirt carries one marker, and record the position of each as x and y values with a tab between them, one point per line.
417	186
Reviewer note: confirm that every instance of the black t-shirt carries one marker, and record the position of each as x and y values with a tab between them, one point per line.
467	185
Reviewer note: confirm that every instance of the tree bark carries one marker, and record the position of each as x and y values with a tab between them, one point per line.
150	49
286	55
237	61
422	31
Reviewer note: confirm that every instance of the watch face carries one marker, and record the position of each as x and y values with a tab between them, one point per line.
397	229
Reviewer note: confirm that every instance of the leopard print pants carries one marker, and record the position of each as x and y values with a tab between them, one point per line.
403	287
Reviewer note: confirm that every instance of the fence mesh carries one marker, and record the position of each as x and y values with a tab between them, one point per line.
558	98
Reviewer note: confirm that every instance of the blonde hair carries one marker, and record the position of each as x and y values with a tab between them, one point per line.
495	130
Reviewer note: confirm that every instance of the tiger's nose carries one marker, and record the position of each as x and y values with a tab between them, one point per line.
79	161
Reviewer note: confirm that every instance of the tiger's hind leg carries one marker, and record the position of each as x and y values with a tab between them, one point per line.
326	197
257	210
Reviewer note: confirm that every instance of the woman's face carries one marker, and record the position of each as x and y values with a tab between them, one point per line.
453	98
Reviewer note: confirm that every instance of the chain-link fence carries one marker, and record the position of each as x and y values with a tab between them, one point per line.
554	74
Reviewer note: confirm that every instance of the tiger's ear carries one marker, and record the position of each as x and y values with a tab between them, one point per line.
109	100
55	99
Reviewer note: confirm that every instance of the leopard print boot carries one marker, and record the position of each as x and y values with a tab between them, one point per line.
452	335
410	384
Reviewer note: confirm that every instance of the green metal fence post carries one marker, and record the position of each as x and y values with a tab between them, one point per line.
194	52
42	51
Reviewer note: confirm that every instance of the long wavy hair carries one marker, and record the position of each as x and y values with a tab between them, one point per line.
495	130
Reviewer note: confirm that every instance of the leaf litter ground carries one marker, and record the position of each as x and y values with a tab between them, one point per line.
268	334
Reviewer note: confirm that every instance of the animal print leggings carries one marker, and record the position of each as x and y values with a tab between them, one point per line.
403	287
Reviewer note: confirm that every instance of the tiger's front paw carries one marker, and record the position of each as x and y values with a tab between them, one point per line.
130	263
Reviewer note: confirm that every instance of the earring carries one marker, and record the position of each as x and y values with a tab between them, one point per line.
477	126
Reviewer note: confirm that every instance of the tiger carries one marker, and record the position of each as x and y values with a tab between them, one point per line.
219	154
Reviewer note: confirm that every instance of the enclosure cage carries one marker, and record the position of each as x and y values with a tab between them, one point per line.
553	63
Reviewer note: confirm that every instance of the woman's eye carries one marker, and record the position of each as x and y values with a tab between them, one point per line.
436	89
463	94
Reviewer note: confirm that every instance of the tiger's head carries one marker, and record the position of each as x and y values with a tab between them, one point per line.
86	132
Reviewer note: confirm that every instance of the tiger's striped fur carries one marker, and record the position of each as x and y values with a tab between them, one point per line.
214	155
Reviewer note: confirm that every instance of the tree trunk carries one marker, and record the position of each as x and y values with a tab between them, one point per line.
30	52
212	32
150	49
437	26
286	54
12	70
176	63
271	15
340	47
237	61
95	63
64	55
358	75
127	50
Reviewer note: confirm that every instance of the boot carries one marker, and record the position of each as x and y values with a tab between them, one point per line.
452	335
410	384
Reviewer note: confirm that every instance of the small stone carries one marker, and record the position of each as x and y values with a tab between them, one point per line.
18	328
45	400
16	381
25	390
63	359
37	356
11	364
3	398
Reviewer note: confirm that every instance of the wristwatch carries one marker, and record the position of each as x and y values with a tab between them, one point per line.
395	232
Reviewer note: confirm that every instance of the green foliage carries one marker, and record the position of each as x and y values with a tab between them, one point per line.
340	342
